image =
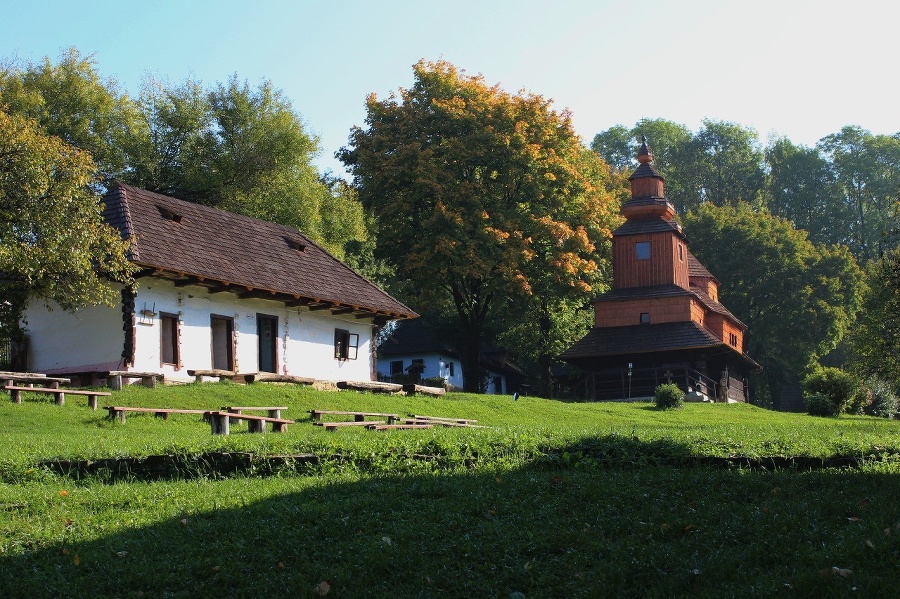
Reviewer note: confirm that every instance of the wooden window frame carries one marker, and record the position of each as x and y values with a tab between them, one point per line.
639	253
346	345
170	320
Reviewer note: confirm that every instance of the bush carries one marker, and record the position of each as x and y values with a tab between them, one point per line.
669	396
819	404
838	386
435	381
880	398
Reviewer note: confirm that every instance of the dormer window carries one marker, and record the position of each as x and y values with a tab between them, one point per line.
642	250
169	215
295	245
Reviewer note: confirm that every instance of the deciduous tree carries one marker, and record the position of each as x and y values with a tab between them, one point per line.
54	244
480	195
797	299
876	338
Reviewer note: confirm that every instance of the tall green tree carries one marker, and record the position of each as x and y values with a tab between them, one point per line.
70	100
803	188
867	167
722	165
476	191
241	149
797	299
54	244
876	338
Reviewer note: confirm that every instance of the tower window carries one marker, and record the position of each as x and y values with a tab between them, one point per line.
680	253
645	318
642	250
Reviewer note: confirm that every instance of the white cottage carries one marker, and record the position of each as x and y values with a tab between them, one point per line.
221	291
412	353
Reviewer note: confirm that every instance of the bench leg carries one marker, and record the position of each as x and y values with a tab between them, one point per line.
16	396
256	426
219	424
235	420
274	413
115	382
60	398
92	402
149	382
279	427
358	417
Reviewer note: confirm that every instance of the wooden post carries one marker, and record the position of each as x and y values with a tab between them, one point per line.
219	423
256	426
275	413
60	398
115	382
16	396
149	381
92	402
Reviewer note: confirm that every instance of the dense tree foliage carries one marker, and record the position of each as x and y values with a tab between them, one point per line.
876	340
845	190
868	173
480	196
798	299
53	242
71	101
244	150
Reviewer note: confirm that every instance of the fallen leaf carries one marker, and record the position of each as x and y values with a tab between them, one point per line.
887	531
864	502
323	588
76	560
870	544
387	540
65	551
63	493
853	519
844	572
216	568
281	565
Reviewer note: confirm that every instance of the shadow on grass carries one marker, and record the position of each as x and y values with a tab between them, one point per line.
560	527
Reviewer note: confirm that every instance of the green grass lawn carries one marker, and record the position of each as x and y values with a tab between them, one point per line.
554	499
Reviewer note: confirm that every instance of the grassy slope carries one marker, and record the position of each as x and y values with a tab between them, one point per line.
529	507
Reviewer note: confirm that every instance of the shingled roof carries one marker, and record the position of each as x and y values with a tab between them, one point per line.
193	244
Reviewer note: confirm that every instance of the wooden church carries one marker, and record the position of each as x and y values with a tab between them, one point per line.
662	320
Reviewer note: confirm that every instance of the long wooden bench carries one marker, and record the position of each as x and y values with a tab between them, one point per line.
115	378
357	416
271	377
443	419
273	411
212	373
15	393
385	427
220	422
333	426
32	378
118	412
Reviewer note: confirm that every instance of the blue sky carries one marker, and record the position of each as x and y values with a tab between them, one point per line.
797	68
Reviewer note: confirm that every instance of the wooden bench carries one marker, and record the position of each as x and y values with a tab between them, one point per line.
413	389
149	379
273	411
373	386
118	412
333	426
385	427
443	419
214	373
357	416
31	378
271	377
15	393
220	422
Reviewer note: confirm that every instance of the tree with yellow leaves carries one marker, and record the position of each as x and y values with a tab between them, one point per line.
484	200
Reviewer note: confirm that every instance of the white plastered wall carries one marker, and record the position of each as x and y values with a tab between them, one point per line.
94	337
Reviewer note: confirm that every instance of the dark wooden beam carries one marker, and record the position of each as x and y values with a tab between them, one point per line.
343	310
323	306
